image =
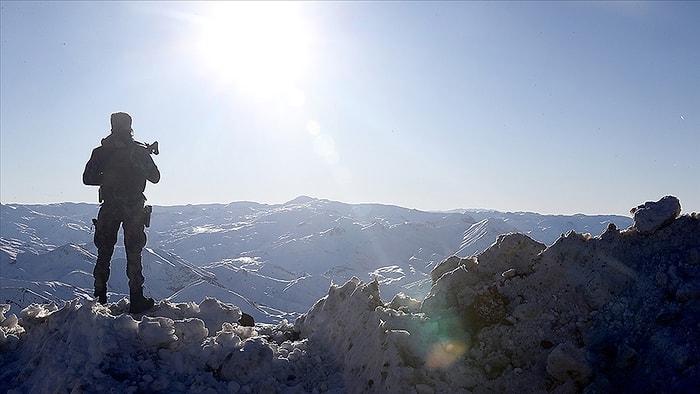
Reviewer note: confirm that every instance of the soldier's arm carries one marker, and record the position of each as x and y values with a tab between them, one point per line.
92	175
145	164
153	174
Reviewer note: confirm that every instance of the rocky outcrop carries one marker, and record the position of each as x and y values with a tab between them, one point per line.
618	312
651	216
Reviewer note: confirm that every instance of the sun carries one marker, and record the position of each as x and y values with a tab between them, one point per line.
262	47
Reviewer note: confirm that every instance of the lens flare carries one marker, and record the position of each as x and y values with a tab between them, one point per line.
324	146
445	353
452	342
313	127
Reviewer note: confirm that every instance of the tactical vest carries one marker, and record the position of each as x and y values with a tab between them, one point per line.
123	177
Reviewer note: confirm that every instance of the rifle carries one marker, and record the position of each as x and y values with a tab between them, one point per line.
152	148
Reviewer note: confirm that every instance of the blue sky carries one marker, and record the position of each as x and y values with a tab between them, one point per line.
552	107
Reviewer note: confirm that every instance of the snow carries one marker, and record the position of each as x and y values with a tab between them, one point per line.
184	347
585	312
272	260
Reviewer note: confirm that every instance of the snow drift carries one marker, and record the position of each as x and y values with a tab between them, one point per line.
617	312
614	313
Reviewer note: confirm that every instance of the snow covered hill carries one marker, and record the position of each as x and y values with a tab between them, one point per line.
616	312
272	260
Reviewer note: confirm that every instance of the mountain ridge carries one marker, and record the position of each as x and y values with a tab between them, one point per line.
282	256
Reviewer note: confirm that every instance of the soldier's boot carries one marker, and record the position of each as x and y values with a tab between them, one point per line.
101	295
139	303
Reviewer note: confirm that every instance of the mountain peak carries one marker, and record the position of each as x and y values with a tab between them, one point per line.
301	200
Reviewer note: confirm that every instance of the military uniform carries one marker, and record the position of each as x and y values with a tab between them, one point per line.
121	167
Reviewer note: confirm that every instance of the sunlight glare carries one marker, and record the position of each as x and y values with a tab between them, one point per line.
324	146
262	47
313	127
296	97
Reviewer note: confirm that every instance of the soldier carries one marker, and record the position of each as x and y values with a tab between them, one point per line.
120	167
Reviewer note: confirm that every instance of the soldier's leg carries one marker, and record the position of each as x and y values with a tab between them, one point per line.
105	238
134	241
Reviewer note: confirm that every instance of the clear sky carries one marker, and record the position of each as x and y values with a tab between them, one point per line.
552	107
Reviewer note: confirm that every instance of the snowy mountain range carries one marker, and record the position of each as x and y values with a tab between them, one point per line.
274	261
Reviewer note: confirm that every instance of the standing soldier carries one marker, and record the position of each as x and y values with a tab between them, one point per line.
120	167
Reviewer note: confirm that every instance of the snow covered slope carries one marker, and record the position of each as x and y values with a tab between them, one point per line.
272	260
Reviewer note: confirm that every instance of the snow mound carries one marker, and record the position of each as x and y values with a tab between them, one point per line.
614	313
175	348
